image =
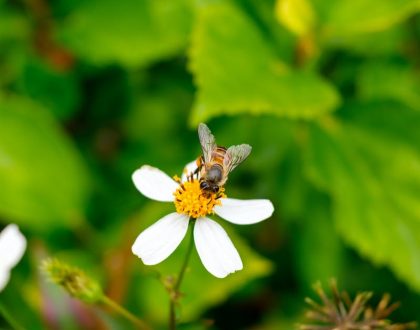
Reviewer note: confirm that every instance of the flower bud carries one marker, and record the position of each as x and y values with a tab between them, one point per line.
73	280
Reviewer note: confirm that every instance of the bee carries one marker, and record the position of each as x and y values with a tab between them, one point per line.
217	162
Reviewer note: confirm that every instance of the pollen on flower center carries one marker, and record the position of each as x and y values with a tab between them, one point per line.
191	200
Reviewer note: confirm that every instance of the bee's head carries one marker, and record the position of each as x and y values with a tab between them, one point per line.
208	186
215	188
204	185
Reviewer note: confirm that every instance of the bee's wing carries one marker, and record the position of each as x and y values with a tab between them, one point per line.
207	141
236	155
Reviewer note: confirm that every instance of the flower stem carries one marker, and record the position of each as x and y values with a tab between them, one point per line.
9	318
140	324
174	295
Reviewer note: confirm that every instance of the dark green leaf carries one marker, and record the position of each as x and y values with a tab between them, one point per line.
131	32
57	91
390	81
374	180
44	181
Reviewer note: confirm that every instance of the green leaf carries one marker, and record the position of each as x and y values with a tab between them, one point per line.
385	118
373	176
389	81
351	17
44	181
236	71
15	33
319	252
13	26
131	32
387	42
57	91
201	289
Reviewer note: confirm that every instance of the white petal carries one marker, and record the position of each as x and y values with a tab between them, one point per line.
158	241
4	278
215	248
12	247
244	212
154	183
188	169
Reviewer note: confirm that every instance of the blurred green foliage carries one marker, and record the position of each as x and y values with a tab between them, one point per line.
327	93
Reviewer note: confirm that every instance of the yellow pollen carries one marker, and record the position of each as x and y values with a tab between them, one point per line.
191	200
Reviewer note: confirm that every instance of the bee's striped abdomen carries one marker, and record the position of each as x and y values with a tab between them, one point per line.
218	155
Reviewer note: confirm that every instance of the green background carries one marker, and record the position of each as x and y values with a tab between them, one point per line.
326	91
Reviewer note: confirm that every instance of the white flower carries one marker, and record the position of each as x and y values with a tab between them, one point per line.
216	251
12	248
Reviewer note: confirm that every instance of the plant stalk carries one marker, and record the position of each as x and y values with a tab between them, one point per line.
174	294
9	318
140	324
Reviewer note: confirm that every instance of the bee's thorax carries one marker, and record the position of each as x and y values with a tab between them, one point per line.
214	174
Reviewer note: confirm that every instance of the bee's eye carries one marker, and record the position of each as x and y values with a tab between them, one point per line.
203	185
215	189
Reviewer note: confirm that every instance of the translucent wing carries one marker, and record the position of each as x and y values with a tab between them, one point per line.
236	155
207	141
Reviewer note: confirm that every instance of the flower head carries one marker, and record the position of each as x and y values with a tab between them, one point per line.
192	203
12	248
342	313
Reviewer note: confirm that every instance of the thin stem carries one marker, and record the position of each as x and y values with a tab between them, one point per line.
9	318
140	324
175	290
186	260
172	316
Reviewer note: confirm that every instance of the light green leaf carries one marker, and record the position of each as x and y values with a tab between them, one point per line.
387	42
351	17
374	179
131	32
236	71
43	180
390	81
201	289
297	15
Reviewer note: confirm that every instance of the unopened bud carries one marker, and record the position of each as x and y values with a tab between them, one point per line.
73	280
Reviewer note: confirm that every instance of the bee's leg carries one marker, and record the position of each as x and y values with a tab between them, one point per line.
190	177
197	171
219	195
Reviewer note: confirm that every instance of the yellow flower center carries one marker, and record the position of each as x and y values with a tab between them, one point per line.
191	200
